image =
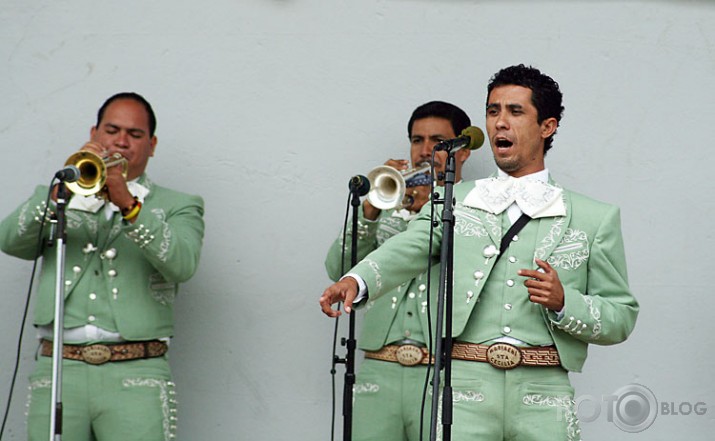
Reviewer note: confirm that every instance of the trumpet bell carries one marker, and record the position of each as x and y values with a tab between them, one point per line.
387	187
93	171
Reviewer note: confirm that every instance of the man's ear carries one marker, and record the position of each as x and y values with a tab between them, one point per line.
462	155
548	127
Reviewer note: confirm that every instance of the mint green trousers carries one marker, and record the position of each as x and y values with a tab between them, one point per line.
523	404
117	401
387	401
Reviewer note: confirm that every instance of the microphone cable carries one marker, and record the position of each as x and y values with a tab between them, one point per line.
337	323
430	337
16	369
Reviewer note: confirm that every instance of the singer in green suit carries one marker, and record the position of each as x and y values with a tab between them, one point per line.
125	257
389	385
523	318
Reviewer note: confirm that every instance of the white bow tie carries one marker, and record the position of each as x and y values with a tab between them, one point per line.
535	198
92	203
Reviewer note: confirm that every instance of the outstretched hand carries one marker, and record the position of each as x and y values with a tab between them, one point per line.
344	291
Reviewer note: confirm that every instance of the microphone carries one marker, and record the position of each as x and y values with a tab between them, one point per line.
471	138
359	184
68	174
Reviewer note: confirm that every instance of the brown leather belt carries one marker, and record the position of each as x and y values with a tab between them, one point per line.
102	353
506	356
406	355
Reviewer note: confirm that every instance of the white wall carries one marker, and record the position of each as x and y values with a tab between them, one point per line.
266	108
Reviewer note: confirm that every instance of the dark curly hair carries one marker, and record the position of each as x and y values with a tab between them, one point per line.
545	93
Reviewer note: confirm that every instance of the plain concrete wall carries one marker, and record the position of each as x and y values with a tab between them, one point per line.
266	108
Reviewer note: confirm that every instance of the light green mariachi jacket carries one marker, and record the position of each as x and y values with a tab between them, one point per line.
585	247
153	255
380	312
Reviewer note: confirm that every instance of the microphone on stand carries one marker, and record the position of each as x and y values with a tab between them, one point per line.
359	184
471	138
68	174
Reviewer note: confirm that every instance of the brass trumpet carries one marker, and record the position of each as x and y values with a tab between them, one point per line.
388	185
93	171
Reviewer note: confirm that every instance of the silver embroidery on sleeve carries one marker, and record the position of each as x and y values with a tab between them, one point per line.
375	269
167	395
22	220
165	234
566	405
595	315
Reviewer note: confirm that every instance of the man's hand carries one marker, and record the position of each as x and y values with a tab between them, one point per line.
116	184
420	195
343	291
544	286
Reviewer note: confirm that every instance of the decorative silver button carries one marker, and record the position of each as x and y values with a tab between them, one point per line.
115	290
112	273
76	269
516	237
411	295
509	283
507	330
512	259
68	282
507	306
111	253
89	248
478	275
93	296
490	251
422	287
91	318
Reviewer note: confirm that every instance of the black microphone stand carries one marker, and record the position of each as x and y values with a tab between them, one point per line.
58	337
359	186
443	351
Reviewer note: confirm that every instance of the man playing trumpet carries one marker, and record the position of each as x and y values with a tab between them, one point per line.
125	256
388	389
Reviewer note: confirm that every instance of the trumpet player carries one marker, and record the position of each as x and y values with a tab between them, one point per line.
389	385
126	254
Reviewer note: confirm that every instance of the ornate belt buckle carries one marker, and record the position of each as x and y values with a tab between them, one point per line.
409	355
96	354
504	356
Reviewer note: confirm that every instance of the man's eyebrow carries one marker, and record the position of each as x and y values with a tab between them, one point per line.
135	130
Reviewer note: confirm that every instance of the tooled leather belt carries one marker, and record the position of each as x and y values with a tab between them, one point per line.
405	354
103	353
506	356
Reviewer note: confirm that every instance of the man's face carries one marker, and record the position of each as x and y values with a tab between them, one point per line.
427	133
124	128
517	139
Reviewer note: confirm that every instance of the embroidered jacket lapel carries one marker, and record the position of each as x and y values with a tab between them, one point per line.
551	231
